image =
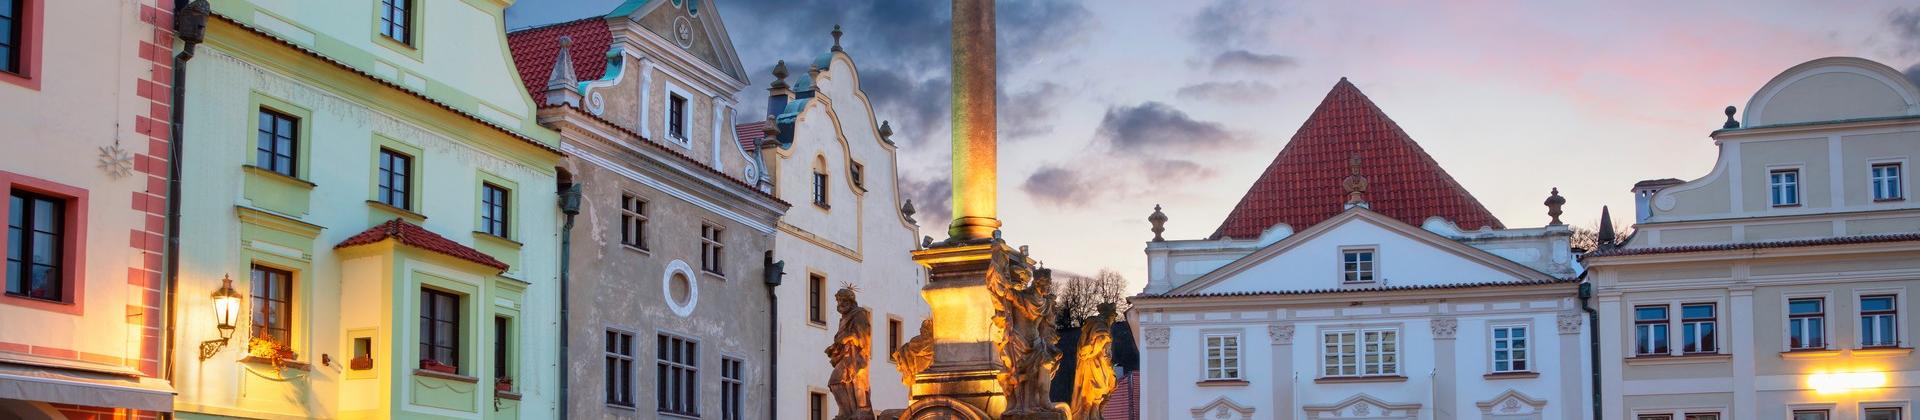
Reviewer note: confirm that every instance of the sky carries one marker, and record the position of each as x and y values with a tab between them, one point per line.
1109	107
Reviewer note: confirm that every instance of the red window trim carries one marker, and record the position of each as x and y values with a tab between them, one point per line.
33	14
73	251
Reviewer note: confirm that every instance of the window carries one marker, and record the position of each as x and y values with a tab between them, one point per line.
619	381
893	337
502	348
1784	187
710	248
362	354
1877	324
439	328
493	210
12	33
816	299
858	173
396	21
816	406
1809	414
633	221
820	188
1886	181
1884	413
276	143
395	175
1697	329
1357	264
1654	417
676	116
1702	416
1223	356
272	304
1650	330
36	246
676	380
1510	349
1369	352
1806	319
731	389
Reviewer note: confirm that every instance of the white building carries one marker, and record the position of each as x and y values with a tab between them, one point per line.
833	161
1776	285
1316	300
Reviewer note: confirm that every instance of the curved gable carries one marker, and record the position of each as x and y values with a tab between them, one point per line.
1833	89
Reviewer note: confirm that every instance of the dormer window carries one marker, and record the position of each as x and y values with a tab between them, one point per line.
1886	182
677	116
1783	187
1356	265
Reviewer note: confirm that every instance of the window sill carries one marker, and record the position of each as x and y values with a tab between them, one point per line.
447	376
715	276
622	407
1510	375
687	416
411	216
1886	351
817	324
289	364
1863	352
822	206
641	250
1221	383
1777	206
506	395
1809	353
1663	359
497	239
276	176
1358	379
1889	200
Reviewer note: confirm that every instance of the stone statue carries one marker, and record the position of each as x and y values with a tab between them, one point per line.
1024	311
915	355
1093	376
852	348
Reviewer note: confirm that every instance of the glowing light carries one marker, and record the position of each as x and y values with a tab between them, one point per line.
1838	382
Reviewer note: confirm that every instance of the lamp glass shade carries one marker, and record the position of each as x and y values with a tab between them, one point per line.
226	310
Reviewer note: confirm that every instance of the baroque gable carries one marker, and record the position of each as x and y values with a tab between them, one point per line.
694	26
1404	256
1222	408
1512	405
1363	406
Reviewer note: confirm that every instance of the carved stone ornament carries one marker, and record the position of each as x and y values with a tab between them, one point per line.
1444	328
683	32
1569	322
1157	337
1222	408
1281	334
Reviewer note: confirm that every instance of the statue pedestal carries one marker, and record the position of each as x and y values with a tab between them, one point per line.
966	341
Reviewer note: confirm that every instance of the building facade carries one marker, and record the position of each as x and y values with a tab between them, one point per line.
1778	285
1380	290
832	156
86	102
369	190
670	292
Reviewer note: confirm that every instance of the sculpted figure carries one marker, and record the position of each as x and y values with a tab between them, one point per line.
1093	378
852	348
1024	310
915	355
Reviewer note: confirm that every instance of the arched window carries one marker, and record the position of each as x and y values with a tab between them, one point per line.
820	181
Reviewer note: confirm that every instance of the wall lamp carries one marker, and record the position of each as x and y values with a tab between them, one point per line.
226	310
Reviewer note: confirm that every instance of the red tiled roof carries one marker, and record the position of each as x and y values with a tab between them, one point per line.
1302	185
418	237
750	134
1123	402
1838	240
534	50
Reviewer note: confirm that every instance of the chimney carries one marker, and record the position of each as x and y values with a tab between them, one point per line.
778	92
1643	193
562	86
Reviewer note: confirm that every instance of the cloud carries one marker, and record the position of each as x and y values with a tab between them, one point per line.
1175	170
1061	187
932	200
916	107
1251	62
1232	23
1158	127
1028	113
1243	91
1906	26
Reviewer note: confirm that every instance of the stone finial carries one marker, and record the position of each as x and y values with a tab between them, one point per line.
1355	184
886	131
1554	201
562	82
772	129
926	241
813	70
1159	221
907	210
779	75
1731	123
1605	236
836	38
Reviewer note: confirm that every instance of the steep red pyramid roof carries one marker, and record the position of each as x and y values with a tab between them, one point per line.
418	237
750	134
1302	185
534	50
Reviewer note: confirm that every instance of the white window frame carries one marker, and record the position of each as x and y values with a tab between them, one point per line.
1899	190
666	114
1359	356
1826	319
1899	316
1798	186
1681	414
1666	327
1522	353
1905	408
1373	264
1682	320
1234	363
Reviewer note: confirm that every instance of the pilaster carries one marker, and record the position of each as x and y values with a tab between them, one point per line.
1153	390
1743	350
1573	355
1281	337
1444	370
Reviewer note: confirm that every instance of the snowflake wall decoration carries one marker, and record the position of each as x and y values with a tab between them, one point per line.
116	161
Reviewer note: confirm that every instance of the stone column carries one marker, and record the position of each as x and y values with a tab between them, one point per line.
1282	336
1444	394
1573	356
1153	388
975	150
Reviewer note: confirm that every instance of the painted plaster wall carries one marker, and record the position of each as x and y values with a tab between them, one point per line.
635	95
860	239
1315	264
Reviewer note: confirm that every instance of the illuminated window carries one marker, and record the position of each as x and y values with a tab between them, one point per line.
1365	352
1650	330
1357	265
1697	333
1806	324
396	20
1809	414
1784	187
633	221
272	293
1877	324
710	247
677	375
1886	181
1883	413
396	172
1223	356
1510	349
619	368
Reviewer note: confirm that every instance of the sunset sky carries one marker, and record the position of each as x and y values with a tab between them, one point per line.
1109	106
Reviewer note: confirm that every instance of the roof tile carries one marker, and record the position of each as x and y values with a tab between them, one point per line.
535	49
418	237
750	134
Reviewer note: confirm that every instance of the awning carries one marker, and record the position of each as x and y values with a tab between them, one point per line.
83	387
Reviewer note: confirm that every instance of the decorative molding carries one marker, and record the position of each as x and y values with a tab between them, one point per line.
1569	322
1444	328
1512	404
1157	337
1363	406
1281	334
1222	408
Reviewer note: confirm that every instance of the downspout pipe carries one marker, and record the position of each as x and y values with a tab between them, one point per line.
569	206
774	271
190	26
1593	343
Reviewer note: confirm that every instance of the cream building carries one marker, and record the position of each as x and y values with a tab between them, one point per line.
1780	285
85	105
832	157
371	178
